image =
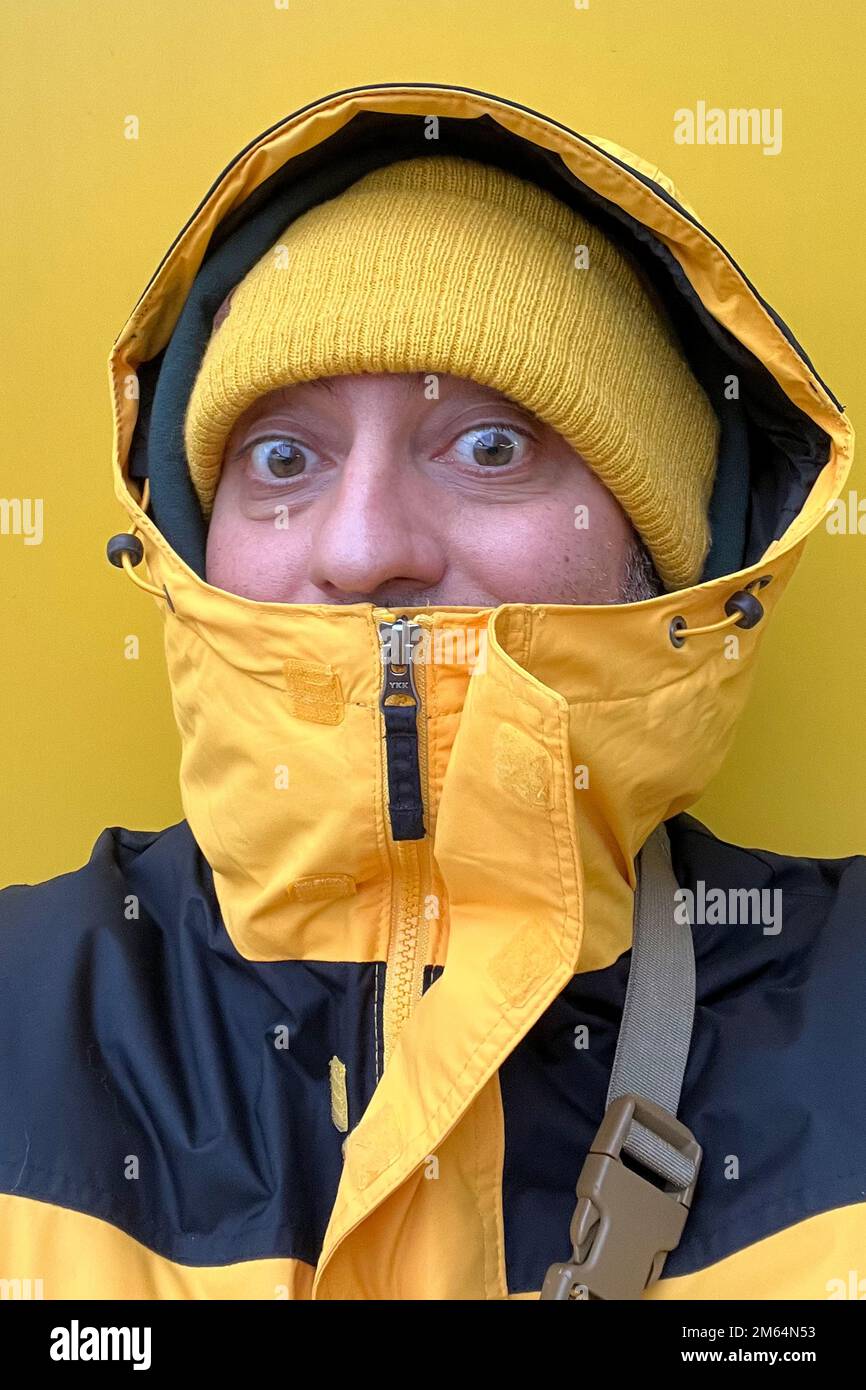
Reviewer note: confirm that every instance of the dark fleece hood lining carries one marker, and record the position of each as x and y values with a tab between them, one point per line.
764	437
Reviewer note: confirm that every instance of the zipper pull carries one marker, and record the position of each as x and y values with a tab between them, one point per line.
399	640
399	702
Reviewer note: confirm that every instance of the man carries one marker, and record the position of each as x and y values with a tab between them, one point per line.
451	511
467	468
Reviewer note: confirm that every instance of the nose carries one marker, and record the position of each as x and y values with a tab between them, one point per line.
375	527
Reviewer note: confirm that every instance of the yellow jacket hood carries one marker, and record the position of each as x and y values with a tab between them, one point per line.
546	765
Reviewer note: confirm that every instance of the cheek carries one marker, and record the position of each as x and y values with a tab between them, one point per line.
529	539
253	558
543	547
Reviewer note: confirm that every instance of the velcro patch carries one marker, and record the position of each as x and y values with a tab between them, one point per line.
375	1144
339	1097
314	691
525	959
521	766
321	888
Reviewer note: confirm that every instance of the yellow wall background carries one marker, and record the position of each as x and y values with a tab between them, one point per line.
88	736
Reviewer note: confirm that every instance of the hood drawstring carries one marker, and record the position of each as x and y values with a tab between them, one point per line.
744	610
125	550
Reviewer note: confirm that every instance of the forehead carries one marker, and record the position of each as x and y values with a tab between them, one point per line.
392	389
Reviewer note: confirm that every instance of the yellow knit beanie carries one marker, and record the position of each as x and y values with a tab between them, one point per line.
443	264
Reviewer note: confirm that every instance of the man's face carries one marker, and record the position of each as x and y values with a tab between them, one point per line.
356	489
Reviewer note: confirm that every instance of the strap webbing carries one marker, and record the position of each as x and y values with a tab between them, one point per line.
659	1009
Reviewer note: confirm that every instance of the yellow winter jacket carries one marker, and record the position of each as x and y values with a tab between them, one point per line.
282	1052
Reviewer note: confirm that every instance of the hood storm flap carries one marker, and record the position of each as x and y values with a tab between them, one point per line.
359	1043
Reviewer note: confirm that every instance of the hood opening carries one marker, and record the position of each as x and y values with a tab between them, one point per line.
770	451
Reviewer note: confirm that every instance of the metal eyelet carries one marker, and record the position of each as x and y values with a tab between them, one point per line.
744	602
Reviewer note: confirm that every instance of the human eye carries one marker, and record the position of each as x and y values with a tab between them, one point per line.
493	447
278	458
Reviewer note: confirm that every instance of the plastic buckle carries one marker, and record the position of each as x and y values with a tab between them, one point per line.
624	1226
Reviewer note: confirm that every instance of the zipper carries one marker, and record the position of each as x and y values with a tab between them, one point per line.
405	772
